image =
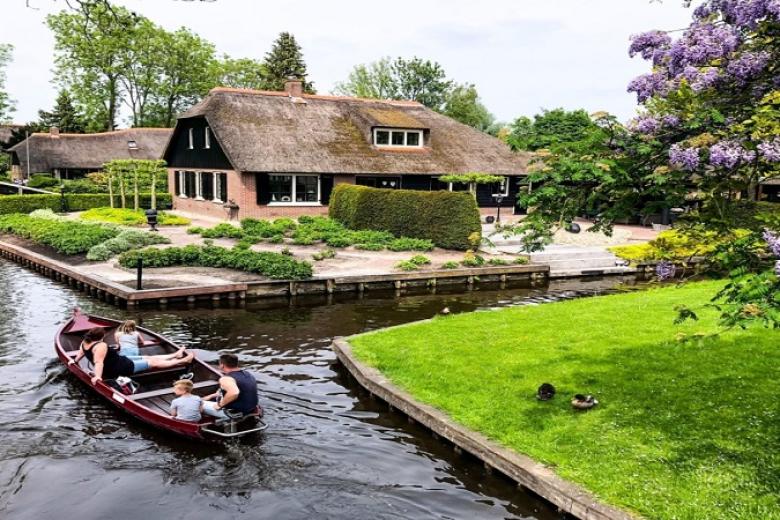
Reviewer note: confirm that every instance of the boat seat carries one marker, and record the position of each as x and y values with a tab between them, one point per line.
164	391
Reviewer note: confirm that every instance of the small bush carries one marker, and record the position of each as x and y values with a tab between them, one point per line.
450	265
43	182
223	230
413	263
339	240
448	219
471	259
521	260
276	239
497	262
410	244
286	251
267	228
272	265
195	230
45	213
324	255
125	241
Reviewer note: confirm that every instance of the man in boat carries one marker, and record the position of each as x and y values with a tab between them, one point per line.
238	390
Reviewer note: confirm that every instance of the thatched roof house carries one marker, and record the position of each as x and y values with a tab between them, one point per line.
69	156
273	151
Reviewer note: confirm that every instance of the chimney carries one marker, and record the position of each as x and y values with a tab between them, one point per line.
54	132
294	87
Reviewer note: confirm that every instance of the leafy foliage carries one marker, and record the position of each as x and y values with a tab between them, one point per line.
72	201
64	116
6	103
463	104
448	219
414	263
273	265
284	61
65	237
124	241
551	127
129	217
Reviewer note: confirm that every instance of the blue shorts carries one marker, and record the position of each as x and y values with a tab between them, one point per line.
131	352
139	363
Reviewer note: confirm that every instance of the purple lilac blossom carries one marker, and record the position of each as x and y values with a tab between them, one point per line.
665	270
685	158
646	125
702	43
651	45
770	150
700	79
647	85
773	8
729	154
671	121
748	65
773	241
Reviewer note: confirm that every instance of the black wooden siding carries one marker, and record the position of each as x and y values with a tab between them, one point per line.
180	156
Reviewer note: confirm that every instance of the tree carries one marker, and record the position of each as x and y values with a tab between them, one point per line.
6	103
141	70
548	128
285	61
243	73
463	105
64	116
423	81
373	81
90	50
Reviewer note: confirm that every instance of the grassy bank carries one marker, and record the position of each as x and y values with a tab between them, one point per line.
683	430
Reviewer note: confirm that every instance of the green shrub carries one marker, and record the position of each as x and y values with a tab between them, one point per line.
125	241
324	255
497	262
450	265
471	259
272	265
521	260
267	228
43	182
223	230
67	237
73	202
448	219
276	239
303	239
413	263
370	247
83	186
195	230
45	213
343	239
410	244
129	217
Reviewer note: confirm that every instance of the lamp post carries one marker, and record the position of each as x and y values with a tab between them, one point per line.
151	218
499	200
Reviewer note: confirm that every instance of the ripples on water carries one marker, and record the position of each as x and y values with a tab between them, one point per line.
327	454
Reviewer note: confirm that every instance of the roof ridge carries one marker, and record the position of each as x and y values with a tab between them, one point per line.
276	93
113	132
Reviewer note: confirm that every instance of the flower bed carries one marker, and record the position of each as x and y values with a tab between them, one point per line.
130	217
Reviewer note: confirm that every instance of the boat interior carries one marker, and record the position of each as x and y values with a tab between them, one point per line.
155	387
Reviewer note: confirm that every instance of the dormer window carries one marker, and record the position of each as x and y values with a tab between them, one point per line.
398	138
132	145
207	139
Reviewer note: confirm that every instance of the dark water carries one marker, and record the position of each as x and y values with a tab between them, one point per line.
328	453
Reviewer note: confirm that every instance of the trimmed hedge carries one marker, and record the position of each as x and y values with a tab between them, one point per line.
73	202
449	219
272	265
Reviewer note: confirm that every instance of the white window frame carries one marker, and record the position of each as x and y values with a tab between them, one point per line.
294	177
207	139
191	137
218	187
406	133
182	186
505	192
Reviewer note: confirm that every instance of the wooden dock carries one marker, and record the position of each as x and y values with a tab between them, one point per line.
118	294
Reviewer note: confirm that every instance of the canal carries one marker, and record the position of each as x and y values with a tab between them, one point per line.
329	451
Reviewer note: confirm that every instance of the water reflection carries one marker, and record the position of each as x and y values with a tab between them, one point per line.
327	454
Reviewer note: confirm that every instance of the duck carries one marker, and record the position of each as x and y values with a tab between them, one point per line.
583	402
545	392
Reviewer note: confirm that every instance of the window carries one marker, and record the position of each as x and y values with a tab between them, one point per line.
132	145
207	185
294	189
392	137
388	183
501	189
191	139
187	185
436	184
207	138
220	187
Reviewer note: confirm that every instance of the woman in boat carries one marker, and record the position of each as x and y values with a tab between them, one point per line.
109	364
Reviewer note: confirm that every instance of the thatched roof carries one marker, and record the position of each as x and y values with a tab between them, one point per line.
89	151
273	132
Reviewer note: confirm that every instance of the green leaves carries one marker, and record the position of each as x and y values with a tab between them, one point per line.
6	103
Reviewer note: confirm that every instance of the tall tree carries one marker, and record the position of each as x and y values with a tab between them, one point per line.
551	127
90	45
141	70
463	105
374	81
64	116
284	61
423	81
242	73
6	103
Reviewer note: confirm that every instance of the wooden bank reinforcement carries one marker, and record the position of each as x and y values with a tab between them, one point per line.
119	294
529	474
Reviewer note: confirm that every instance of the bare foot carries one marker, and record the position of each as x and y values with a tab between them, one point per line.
188	358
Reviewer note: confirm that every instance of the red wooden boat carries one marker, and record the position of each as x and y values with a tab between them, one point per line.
152	399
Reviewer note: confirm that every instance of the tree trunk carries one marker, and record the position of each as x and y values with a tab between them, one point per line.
111	190
136	200
122	191
153	189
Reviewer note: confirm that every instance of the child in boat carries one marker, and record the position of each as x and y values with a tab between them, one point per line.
186	406
128	339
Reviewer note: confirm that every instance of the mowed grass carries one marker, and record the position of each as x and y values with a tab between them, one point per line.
682	431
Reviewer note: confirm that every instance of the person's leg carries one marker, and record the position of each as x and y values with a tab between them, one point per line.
209	409
139	364
165	362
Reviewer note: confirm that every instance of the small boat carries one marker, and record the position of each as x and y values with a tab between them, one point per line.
153	389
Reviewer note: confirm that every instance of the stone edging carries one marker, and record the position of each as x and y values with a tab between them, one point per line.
540	479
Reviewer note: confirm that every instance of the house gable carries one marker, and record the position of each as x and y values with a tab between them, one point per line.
179	154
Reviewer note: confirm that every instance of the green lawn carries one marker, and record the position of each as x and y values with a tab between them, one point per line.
683	430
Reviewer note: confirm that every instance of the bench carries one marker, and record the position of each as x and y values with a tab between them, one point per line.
164	391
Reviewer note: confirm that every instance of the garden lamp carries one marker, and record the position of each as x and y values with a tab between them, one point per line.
151	218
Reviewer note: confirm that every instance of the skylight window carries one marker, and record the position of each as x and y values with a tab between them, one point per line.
398	138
